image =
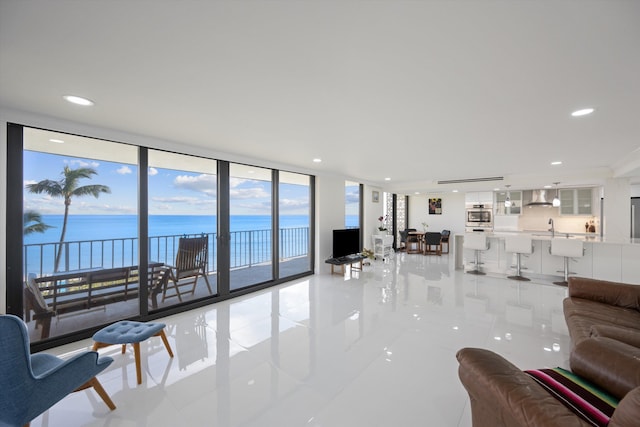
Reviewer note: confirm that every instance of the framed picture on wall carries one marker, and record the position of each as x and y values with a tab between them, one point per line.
435	206
375	196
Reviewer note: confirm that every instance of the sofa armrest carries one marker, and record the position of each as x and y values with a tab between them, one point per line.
623	334
628	411
613	293
610	364
503	395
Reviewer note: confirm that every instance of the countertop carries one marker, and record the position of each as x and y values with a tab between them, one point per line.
546	235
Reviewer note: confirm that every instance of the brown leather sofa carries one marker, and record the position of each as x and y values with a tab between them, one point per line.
604	324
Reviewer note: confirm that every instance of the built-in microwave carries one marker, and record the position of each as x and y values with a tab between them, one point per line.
479	217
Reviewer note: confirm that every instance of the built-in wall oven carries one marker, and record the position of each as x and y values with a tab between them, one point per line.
479	217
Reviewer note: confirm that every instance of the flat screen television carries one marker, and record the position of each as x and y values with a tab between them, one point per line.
346	242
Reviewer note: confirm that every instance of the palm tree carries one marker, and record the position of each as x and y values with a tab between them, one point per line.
67	188
32	221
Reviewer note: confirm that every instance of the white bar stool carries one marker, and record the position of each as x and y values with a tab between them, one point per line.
567	248
518	245
477	242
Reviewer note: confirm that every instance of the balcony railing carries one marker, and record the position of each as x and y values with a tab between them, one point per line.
248	248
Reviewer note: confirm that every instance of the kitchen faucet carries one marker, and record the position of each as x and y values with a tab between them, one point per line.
552	229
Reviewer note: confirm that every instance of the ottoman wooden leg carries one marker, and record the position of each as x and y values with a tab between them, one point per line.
166	342
136	352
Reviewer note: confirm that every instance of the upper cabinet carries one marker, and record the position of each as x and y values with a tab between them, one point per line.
516	203
576	201
479	198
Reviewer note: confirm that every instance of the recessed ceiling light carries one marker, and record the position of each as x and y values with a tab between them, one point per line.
496	189
316	160
78	100
547	186
59	141
417	192
387	179
556	163
583	112
454	191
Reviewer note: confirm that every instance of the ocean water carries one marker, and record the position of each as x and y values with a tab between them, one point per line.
111	240
97	227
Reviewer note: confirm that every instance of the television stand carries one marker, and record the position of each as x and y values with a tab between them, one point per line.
346	260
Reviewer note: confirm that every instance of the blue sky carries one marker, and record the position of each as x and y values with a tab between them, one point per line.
170	192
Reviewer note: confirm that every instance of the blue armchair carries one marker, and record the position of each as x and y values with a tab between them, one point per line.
31	384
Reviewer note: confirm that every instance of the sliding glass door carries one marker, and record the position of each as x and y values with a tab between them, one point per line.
250	225
80	232
182	225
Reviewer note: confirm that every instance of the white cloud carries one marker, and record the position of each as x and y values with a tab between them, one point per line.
124	170
248	193
202	183
177	199
84	163
288	204
153	171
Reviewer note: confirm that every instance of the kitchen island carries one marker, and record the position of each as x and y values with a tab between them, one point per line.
604	259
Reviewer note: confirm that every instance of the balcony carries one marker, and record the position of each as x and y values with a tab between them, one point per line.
250	263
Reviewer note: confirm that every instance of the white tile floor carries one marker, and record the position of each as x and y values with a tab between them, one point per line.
376	348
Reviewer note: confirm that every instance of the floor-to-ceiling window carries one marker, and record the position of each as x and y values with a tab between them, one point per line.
250	225
110	231
294	238
182	225
80	232
352	204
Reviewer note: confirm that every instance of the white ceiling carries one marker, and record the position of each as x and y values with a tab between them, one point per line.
418	91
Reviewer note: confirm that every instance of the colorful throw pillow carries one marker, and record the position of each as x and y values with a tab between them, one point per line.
582	397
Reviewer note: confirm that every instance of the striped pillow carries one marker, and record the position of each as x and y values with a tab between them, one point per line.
585	399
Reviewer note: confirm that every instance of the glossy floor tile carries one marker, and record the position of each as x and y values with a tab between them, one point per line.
370	348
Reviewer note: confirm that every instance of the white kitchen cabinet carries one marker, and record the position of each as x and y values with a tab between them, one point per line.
516	203
576	201
607	263
630	265
550	264
479	198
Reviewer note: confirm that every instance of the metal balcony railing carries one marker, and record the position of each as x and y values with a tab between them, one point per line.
248	248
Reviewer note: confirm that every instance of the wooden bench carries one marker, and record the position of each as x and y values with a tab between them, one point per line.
80	290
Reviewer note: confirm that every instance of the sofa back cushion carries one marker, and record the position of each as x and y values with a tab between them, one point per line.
588	401
613	293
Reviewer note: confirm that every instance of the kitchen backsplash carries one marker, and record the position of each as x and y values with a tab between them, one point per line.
536	218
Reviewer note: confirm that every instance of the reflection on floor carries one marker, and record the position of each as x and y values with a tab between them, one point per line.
372	348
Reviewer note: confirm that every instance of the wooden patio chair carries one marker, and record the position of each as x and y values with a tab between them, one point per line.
34	301
191	263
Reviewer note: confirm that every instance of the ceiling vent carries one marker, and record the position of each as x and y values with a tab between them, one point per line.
462	181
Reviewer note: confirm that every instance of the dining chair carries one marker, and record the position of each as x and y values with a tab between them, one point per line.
432	243
444	240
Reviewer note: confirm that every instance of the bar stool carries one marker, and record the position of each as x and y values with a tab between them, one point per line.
518	245
477	242
567	248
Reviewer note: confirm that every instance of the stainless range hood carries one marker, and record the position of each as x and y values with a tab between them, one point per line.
538	198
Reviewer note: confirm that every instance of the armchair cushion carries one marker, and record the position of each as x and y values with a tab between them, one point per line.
31	384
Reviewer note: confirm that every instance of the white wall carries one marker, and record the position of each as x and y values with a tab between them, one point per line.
330	212
617	208
371	212
453	212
